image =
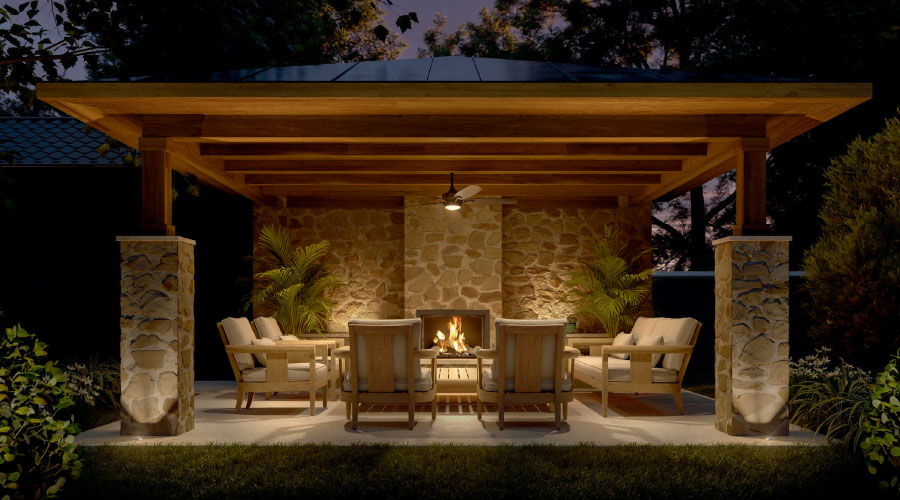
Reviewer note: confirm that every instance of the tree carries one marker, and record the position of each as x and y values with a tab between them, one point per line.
853	270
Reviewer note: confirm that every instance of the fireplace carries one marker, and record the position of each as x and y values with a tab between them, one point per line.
456	331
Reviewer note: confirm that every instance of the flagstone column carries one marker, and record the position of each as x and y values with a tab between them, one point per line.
157	340
752	367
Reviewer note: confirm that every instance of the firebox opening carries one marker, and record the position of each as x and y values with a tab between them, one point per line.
454	332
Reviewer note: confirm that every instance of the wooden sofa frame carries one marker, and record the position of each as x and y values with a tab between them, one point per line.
527	378
277	371
379	346
641	371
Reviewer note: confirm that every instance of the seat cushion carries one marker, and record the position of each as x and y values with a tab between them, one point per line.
489	382
622	339
261	356
297	372
620	370
674	331
268	328
420	385
239	332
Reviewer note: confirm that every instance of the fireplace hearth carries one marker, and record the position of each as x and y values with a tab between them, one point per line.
455	331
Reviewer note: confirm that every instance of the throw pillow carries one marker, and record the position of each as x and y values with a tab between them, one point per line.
622	339
261	356
652	340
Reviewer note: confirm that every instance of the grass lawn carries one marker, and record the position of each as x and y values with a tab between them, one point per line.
442	471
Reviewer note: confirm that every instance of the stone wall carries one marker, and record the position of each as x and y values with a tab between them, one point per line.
453	259
157	340
752	364
541	248
366	249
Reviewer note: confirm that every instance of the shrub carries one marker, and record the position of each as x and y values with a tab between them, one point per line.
830	398
853	270
37	450
882	427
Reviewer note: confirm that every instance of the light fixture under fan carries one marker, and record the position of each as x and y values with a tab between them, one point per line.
454	200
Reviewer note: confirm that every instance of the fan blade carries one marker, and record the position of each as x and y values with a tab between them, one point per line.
493	201
468	192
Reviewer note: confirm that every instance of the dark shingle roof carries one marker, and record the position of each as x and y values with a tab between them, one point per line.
454	69
53	141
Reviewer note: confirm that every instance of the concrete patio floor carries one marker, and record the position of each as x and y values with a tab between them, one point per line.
645	419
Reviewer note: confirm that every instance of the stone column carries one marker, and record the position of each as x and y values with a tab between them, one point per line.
157	341
752	370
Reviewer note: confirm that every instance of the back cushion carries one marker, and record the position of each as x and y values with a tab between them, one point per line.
674	331
399	352
261	356
548	346
622	339
651	340
268	327
643	326
238	332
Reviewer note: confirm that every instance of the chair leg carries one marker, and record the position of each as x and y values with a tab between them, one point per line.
434	408
355	408
348	411
565	411
268	396
240	399
478	406
500	415
312	401
412	415
249	399
556	414
677	395
605	401
325	396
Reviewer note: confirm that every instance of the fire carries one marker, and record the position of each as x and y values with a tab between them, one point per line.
456	340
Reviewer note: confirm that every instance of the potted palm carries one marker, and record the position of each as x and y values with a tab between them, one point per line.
297	288
611	286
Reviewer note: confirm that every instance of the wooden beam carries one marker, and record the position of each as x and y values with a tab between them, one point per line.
444	166
750	207
444	180
695	171
542	202
510	190
346	202
469	150
156	193
452	126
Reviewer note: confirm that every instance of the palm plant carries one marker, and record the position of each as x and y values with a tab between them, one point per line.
297	289
611	287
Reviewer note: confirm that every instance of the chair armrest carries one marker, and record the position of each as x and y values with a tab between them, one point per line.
426	353
341	353
656	349
487	353
269	349
570	353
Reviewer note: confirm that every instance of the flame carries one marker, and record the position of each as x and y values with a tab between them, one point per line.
455	340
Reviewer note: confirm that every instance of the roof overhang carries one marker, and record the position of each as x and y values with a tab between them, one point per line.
593	142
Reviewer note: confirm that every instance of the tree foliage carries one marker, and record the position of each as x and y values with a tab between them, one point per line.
297	288
853	270
881	446
611	287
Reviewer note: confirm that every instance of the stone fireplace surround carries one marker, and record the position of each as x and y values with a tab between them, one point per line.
510	260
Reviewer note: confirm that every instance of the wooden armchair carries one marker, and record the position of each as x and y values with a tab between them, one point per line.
277	375
385	367
640	373
531	354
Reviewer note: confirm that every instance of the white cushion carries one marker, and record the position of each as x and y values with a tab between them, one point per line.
292	338
239	332
642	326
651	340
399	348
261	356
489	382
622	339
422	384
297	372
674	331
268	328
620	370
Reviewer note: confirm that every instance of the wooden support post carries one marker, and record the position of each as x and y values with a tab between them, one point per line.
156	192
750	209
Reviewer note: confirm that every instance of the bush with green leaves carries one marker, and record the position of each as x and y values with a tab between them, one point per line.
37	449
612	286
830	397
297	289
882	427
853	270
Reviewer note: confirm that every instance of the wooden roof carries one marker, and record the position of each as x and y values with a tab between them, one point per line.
582	142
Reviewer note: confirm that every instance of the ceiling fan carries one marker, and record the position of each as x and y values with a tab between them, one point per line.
453	199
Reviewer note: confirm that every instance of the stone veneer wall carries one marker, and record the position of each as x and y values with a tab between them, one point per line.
157	340
752	364
453	259
367	250
541	248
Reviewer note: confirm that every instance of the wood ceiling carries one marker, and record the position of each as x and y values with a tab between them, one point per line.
596	143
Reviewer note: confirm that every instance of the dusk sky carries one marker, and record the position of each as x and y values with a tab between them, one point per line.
457	12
